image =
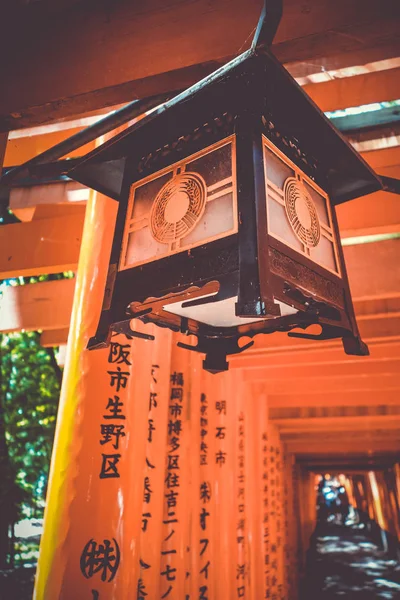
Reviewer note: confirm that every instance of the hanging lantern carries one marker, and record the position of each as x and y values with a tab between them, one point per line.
226	225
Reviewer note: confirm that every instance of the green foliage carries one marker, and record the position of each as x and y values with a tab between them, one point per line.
30	389
30	381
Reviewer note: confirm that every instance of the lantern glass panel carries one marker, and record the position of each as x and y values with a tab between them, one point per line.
182	206
299	213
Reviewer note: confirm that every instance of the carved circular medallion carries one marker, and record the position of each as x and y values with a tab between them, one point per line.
178	207
301	212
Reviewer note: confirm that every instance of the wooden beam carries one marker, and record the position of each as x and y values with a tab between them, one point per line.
372	424
296	364
174	43
54	337
373	269
40	247
383	159
318	385
373	330
358	436
354	91
340	446
37	306
25	200
309	411
369	215
330	437
378	212
354	368
311	356
21	149
377	397
364	56
335	464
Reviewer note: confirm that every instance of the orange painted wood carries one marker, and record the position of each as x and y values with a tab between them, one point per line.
40	247
3	147
54	337
317	424
356	369
343	447
37	306
379	159
98	70
375	213
22	149
357	90
379	397
316	385
374	329
32	202
373	269
312	357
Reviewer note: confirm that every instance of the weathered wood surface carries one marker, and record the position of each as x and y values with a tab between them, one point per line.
346	92
37	306
88	55
40	246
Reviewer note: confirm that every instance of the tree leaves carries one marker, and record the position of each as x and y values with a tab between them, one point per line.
29	390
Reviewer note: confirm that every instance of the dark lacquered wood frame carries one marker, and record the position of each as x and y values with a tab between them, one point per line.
251	264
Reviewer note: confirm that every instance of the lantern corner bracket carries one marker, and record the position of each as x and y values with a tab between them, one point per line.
121	327
353	345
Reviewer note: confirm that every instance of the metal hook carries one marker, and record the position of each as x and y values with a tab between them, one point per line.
268	24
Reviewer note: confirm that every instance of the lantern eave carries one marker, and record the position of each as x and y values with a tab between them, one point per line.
349	176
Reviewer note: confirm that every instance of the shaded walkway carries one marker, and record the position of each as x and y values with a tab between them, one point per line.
345	563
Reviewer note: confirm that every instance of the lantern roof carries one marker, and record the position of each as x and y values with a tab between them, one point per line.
255	80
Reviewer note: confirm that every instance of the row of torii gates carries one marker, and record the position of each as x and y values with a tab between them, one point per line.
234	454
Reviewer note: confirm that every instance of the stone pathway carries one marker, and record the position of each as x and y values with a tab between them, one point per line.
345	564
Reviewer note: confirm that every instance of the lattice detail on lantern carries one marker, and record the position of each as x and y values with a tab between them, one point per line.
288	144
185	205
301	212
178	207
298	210
221	126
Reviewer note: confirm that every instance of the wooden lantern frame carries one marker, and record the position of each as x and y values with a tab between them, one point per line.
255	101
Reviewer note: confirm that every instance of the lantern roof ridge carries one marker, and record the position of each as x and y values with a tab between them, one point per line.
278	94
106	151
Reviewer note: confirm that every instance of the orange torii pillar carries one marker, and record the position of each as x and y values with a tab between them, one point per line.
166	481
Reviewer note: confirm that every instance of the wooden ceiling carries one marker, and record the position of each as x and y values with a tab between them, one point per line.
65	58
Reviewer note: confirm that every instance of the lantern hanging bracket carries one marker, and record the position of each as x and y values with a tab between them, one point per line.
267	25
